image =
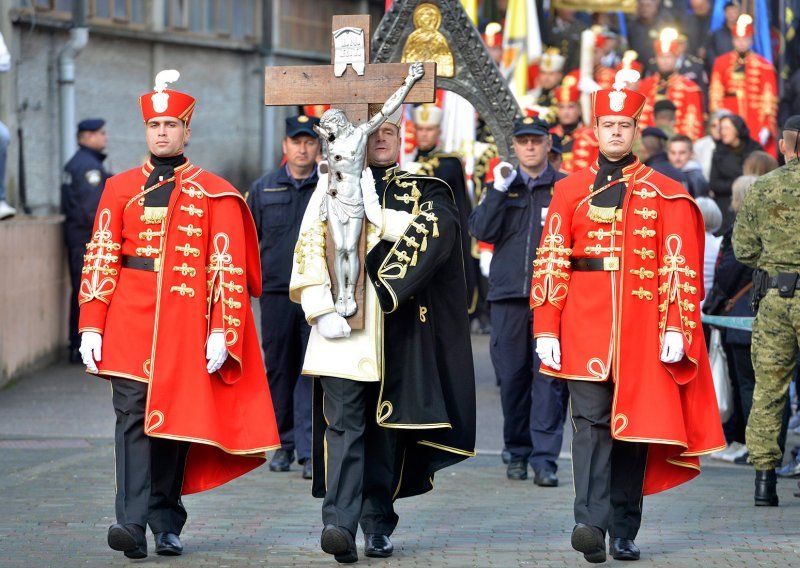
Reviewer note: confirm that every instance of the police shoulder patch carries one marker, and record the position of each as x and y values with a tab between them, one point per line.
93	177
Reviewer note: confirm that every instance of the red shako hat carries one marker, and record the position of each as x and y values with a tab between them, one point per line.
619	101
567	91
166	102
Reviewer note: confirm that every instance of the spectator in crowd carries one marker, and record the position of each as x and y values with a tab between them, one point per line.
734	146
653	154
6	210
721	41
704	148
665	117
712	219
681	156
758	163
696	25
84	179
278	200
555	156
565	34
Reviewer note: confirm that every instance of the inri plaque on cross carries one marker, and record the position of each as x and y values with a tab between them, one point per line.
350	84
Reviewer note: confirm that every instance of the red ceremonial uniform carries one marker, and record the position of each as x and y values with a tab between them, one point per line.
653	283
155	322
686	95
747	86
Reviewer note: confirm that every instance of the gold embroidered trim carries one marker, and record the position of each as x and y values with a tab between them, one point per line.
187	250
644	232
191	230
183	290
643	273
192	192
598	249
600	234
646	213
642	294
150	234
645	253
185	270
643	193
192	210
146	251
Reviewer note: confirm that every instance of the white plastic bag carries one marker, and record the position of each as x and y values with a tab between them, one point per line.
719	371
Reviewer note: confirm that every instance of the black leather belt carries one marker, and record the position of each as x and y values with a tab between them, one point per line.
140	263
608	263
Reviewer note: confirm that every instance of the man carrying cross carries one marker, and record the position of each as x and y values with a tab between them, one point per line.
394	402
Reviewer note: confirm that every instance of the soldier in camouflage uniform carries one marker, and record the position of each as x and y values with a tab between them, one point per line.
765	237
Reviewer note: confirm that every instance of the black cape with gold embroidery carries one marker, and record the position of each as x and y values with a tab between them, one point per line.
428	390
450	169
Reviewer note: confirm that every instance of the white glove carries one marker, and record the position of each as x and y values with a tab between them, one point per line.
588	85
672	350
763	135
504	175
549	351
332	326
372	206
485	262
91	349
216	351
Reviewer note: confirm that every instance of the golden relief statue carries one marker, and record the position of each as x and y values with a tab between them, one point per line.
426	42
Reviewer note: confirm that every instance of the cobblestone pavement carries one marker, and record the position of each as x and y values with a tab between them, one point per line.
56	501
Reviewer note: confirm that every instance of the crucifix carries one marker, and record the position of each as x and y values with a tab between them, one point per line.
350	85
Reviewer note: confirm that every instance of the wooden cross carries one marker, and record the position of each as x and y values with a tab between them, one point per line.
351	93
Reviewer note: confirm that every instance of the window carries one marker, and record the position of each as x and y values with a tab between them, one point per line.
228	18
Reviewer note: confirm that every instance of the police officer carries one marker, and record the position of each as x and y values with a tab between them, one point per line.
511	218
765	237
81	187
278	201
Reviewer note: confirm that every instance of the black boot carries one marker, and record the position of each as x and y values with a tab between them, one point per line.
766	495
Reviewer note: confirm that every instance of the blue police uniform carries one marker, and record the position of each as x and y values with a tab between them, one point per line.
83	181
278	202
513	223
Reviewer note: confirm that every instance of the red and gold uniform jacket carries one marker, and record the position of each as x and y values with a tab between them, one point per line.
611	322
686	95
748	87
155	322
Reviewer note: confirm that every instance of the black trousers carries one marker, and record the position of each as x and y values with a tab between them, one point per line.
284	332
149	471
360	459
534	404
75	260
608	473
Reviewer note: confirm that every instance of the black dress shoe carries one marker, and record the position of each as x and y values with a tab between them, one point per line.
623	549
545	478
591	541
308	470
505	455
281	460
168	544
517	469
766	494
378	546
339	542
128	539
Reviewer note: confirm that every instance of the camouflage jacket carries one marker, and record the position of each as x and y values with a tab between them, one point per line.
765	235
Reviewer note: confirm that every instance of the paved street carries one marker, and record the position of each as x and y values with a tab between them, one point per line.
57	490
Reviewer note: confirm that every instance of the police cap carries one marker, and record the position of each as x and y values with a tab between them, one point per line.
530	125
91	124
655	132
296	125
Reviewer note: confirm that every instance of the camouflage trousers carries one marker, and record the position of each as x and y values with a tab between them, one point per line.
776	330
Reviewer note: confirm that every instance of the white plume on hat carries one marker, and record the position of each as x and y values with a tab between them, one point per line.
160	98
625	76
